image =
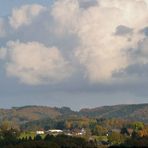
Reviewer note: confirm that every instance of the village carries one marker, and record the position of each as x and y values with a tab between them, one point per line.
99	140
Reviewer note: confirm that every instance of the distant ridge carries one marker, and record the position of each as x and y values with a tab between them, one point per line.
132	112
32	113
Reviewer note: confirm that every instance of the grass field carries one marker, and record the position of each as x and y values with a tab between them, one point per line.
100	138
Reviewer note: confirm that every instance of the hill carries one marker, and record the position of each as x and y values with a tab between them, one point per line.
137	112
28	113
25	114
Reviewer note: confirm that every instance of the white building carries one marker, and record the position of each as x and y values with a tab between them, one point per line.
40	132
55	131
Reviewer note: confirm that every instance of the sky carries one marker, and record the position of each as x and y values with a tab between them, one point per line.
75	53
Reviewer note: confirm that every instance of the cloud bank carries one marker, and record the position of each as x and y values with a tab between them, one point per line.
108	34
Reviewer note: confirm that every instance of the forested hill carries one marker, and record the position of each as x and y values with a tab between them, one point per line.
132	112
32	113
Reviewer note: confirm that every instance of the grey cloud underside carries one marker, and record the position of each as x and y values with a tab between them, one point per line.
123	30
87	3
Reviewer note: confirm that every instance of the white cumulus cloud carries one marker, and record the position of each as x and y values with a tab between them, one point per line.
101	51
25	15
33	63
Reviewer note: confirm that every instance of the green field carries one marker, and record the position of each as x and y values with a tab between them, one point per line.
29	134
